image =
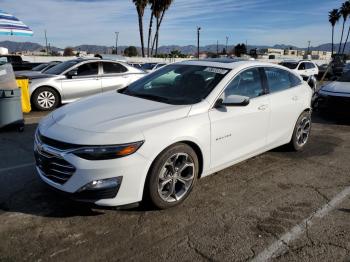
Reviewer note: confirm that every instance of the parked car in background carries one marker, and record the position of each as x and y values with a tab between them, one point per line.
17	63
302	67
150	67
334	97
73	79
137	65
182	122
42	68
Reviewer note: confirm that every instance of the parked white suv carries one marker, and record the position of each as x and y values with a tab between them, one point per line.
302	67
156	137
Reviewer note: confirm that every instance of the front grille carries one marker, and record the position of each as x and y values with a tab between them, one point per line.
56	144
53	167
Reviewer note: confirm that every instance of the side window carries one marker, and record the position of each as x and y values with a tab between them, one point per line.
113	68
302	66
294	80
248	83
310	66
88	69
277	79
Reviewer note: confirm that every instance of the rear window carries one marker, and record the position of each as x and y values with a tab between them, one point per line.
277	79
290	65
113	68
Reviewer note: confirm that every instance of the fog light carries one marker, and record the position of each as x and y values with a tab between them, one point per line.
109	183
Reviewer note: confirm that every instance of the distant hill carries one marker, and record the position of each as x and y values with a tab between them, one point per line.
188	49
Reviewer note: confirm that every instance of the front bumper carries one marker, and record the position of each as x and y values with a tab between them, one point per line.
75	173
332	103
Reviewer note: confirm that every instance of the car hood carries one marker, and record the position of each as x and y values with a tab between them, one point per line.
38	76
116	115
337	87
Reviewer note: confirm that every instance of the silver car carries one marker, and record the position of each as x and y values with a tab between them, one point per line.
74	79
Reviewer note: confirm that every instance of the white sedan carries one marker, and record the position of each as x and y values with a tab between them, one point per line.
155	138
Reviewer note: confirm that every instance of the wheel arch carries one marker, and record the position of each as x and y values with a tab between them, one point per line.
47	86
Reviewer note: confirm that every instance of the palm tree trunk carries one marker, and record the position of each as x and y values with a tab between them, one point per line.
346	40
149	34
156	38
141	34
341	38
332	40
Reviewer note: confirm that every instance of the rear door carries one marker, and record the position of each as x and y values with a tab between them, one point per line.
85	82
285	104
114	76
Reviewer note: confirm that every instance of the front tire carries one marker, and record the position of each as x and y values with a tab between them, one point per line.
45	99
172	176
301	132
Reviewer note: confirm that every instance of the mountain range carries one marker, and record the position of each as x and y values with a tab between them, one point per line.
188	49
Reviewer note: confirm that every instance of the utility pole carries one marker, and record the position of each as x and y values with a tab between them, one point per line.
116	42
198	29
308	47
246	45
217	47
226	44
47	51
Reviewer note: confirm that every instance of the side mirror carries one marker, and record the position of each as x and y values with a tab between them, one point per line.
72	73
233	100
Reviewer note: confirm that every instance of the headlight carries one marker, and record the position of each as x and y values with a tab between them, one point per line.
107	152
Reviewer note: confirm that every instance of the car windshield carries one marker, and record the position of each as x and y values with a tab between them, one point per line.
290	65
345	77
39	67
60	68
178	84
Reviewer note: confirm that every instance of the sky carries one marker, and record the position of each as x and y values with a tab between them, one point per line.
259	22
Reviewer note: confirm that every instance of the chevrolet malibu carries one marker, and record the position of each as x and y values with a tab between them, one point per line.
153	139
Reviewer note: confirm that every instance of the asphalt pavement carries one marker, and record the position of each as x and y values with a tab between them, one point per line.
238	214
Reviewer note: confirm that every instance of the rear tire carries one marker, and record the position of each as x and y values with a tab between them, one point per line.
45	99
172	176
301	132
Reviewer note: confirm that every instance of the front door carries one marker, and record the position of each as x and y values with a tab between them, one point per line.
84	82
240	131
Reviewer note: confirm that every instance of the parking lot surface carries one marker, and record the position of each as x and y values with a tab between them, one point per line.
233	215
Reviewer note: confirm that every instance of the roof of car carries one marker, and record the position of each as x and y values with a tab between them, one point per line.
226	63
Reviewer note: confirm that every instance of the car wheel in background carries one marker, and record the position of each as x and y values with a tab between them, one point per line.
301	132
45	98
172	176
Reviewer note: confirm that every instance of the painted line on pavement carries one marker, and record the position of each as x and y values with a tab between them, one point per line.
281	244
16	167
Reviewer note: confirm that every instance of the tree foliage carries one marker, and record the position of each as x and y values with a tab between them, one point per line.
130	51
68	51
240	50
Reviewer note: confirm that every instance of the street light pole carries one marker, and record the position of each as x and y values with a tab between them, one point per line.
47	51
308	47
116	42
226	44
198	29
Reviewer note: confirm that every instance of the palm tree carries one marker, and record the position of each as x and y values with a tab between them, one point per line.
333	18
344	11
159	11
140	8
347	4
152	3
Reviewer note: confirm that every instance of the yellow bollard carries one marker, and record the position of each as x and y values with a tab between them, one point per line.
23	84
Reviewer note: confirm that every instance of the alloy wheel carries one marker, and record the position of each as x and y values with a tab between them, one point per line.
303	131
46	99
176	177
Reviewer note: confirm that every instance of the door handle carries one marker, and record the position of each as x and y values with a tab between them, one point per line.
295	98
263	107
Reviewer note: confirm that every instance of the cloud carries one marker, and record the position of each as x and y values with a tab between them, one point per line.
73	22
